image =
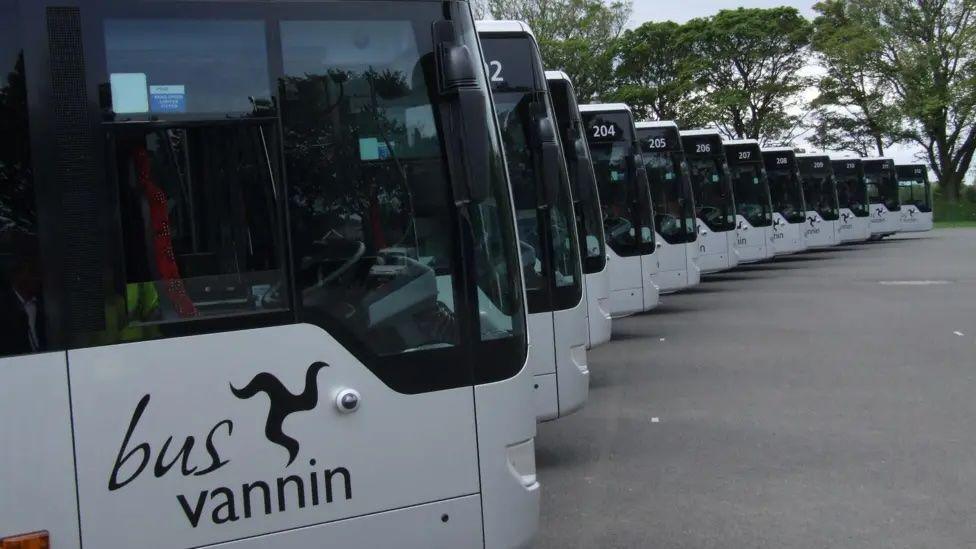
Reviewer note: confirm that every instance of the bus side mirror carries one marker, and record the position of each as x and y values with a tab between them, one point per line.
458	82
552	161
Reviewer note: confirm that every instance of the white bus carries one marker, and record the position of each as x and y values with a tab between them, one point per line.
852	197
820	192
674	206
260	280
789	207
628	214
589	216
545	217
714	200
883	197
915	193
754	208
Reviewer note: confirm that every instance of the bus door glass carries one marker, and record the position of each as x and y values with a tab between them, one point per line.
36	463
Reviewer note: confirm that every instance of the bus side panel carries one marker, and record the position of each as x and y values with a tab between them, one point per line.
626	293
672	274
506	446
420	527
713	249
598	307
197	440
37	470
751	241
570	330
650	267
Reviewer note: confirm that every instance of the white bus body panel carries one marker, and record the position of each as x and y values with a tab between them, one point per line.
751	242
848	228
672	275
884	222
401	528
37	469
506	446
651	294
862	228
819	232
185	384
715	249
598	306
691	256
786	238
572	371
626	285
915	221
542	364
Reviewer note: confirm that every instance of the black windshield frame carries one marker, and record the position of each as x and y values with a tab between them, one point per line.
785	187
528	96
711	184
475	360
852	187
752	199
819	186
579	165
882	179
667	175
913	178
628	210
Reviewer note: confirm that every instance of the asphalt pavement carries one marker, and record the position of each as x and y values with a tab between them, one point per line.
822	400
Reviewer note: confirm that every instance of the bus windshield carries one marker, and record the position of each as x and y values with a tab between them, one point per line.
852	189
819	187
710	183
626	203
667	174
589	218
785	188
914	188
750	184
301	171
550	256
882	183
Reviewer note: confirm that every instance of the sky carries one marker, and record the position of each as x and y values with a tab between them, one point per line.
683	10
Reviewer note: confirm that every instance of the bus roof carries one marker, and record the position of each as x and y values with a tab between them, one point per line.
779	150
740	142
558	75
489	26
813	155
879	159
657	124
707	132
605	107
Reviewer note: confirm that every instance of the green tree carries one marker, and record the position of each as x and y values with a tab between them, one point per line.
928	55
754	60
575	36
855	109
659	75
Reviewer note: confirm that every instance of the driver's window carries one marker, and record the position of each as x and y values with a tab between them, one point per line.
197	176
372	223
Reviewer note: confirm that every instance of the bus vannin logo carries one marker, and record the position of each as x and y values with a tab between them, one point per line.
283	404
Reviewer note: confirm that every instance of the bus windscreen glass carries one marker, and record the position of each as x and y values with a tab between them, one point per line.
674	209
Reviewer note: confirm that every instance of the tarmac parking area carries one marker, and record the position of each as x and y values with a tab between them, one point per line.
821	400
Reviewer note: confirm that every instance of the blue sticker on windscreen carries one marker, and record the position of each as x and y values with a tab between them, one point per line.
167	99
